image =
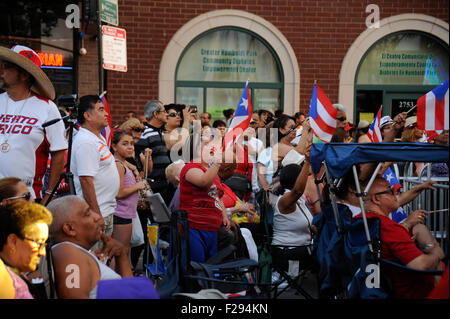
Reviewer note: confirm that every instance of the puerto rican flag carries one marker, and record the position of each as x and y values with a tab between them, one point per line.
433	111
322	115
399	215
374	132
107	131
390	176
241	119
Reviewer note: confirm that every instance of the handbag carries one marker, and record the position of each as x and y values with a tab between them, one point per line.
137	235
239	182
143	204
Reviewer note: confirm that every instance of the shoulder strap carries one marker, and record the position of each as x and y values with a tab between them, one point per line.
307	220
124	166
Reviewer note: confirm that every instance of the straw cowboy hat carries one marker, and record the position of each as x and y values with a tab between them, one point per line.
29	60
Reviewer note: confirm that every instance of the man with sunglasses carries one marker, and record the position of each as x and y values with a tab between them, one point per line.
398	246
153	138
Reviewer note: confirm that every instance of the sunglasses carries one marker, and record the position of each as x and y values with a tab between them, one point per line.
388	191
292	129
137	129
6	65
341	119
174	114
25	196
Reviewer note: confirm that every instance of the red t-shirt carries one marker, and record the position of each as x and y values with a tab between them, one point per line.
398	247
244	167
229	198
202	204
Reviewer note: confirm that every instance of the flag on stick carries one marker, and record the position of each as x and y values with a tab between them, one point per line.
374	132
322	115
107	131
433	110
241	119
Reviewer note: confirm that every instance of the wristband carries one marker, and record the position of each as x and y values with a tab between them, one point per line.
228	211
48	192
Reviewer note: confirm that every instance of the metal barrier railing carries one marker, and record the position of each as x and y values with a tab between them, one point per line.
429	200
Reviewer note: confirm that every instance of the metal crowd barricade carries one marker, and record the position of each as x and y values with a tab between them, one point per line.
429	200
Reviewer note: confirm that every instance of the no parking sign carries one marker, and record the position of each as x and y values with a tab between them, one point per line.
114	48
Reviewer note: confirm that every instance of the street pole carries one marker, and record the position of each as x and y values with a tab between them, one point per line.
99	45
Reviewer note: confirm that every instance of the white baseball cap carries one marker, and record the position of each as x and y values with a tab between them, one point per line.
385	120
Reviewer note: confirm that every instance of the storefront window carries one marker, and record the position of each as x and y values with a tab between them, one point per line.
396	71
219	62
267	99
407	58
190	96
41	26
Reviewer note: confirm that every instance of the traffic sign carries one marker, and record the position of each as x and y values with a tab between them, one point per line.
109	11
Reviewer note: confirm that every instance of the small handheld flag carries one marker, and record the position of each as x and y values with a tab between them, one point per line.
374	132
433	110
322	115
241	119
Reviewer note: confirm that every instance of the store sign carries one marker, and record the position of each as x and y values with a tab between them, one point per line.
405	58
114	48
51	59
109	11
228	55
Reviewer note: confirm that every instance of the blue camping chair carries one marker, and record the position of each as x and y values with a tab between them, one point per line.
348	250
184	276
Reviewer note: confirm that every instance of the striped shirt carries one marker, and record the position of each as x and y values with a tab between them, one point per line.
153	138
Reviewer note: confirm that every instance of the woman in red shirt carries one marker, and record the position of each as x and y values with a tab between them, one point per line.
201	196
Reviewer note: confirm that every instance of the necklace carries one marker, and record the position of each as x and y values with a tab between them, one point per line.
5	147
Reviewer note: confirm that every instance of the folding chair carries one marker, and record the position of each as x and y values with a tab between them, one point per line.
185	276
302	264
272	263
156	269
348	248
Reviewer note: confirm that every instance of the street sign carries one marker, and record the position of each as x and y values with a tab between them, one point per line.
114	48
109	11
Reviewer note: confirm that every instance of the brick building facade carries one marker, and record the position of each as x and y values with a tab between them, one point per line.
321	41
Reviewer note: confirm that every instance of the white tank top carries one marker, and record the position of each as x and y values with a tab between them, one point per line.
292	229
105	272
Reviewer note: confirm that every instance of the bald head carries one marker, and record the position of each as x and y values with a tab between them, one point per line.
63	209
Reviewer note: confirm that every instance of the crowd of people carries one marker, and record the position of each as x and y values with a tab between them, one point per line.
176	152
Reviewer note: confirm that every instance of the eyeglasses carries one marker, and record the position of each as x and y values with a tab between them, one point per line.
39	244
137	129
25	196
174	114
341	119
388	191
